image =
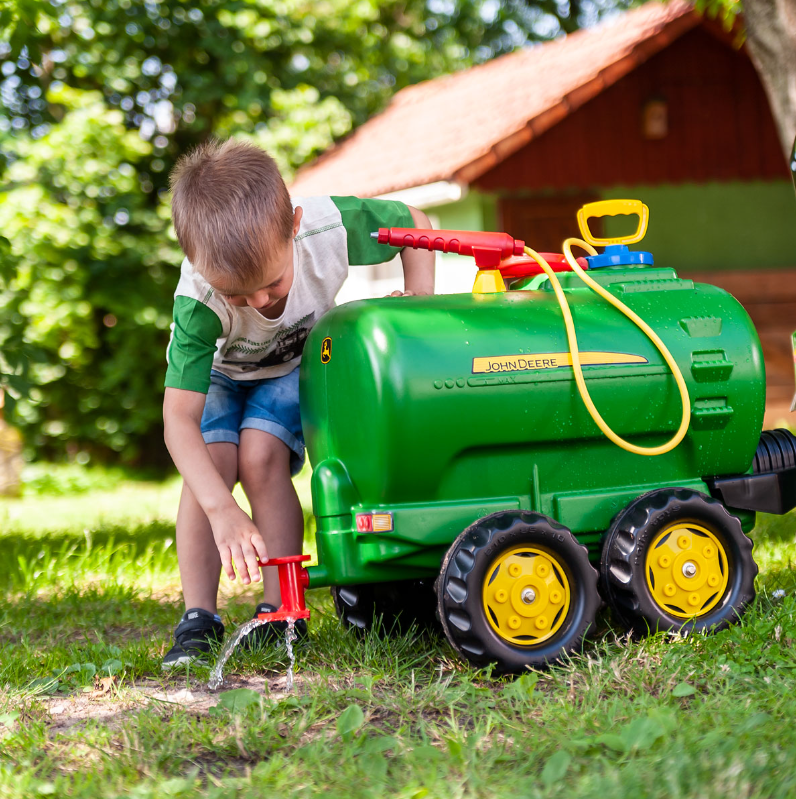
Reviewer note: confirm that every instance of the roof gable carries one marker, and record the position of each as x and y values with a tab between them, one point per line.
458	126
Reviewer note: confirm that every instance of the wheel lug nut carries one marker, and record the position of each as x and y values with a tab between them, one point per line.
689	569
528	596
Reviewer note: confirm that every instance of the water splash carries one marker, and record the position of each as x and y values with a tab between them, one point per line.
216	679
290	636
217	674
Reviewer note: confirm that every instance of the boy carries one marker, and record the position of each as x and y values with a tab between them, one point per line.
260	270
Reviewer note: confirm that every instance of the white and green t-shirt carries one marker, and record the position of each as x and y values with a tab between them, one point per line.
209	333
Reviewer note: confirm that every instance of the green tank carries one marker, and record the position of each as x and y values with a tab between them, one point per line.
443	409
450	444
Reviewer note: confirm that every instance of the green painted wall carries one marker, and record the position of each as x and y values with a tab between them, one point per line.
475	212
717	225
709	226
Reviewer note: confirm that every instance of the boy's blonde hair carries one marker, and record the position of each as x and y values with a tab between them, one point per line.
230	208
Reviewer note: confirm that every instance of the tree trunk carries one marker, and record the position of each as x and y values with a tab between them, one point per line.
771	39
10	460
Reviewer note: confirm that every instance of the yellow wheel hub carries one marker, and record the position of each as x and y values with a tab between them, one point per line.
526	595
687	570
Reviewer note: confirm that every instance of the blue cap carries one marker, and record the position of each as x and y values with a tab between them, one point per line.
620	255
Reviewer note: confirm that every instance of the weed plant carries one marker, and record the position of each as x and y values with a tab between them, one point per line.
86	613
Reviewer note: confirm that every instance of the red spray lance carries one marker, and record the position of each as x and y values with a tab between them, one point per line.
488	249
491	250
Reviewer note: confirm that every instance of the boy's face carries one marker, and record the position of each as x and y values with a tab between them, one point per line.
272	287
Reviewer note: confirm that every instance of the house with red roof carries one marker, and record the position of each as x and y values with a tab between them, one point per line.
659	105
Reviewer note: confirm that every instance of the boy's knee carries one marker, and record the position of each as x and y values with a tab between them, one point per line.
266	462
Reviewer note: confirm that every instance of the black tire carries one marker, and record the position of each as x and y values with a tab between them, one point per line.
775	452
396	605
468	564
624	563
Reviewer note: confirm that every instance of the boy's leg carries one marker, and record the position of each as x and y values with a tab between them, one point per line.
264	473
197	554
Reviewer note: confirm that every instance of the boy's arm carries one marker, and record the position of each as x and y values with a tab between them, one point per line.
235	534
418	264
361	218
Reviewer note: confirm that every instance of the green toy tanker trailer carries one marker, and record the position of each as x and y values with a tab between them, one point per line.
458	451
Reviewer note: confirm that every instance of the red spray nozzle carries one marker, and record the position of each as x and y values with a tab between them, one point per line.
488	249
293	582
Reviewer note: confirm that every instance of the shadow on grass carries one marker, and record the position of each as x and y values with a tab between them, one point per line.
81	629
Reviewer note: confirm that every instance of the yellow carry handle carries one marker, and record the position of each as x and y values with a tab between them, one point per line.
613	208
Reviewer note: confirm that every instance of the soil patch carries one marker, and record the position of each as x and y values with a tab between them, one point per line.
63	713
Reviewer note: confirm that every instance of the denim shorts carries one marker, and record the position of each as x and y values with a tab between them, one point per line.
270	405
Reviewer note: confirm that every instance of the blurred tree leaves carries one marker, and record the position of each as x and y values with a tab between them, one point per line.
17	355
87	298
97	100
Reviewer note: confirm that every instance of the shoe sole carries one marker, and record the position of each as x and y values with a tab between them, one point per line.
185	660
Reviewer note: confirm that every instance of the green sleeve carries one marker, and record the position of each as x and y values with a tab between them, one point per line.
363	217
195	331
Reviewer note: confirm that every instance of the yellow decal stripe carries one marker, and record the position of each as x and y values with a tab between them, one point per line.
549	360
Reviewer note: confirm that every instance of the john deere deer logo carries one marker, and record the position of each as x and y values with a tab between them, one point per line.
326	350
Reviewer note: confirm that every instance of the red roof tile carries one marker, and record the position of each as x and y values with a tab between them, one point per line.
458	126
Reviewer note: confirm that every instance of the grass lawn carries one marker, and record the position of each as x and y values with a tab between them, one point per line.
89	596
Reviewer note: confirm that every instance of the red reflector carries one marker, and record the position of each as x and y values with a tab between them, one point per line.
364	522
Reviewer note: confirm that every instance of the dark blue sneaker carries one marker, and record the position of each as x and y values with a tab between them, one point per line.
195	635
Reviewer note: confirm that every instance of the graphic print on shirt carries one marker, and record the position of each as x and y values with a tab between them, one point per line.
287	345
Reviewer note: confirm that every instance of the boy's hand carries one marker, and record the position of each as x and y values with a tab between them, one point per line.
239	540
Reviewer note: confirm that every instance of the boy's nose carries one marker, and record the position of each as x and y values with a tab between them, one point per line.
257	300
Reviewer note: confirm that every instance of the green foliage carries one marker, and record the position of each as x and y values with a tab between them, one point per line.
89	293
640	733
76	676
100	98
43	479
237	701
728	11
21	24
17	354
683	689
555	768
349	721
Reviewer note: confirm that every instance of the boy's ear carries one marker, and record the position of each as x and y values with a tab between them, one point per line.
297	214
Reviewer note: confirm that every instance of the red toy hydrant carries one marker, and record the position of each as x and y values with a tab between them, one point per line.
293	582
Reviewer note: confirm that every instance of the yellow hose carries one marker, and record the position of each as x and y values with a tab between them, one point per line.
575	353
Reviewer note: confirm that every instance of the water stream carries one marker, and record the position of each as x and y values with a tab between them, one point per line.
217	673
290	636
216	679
